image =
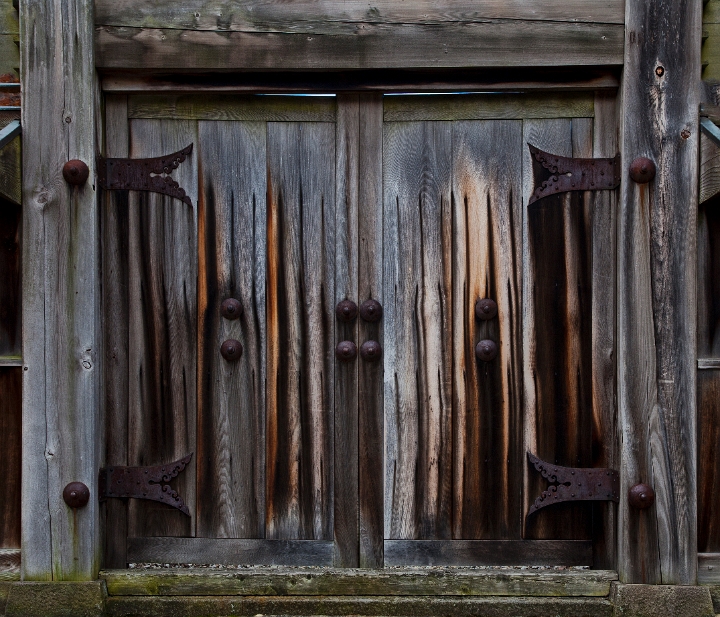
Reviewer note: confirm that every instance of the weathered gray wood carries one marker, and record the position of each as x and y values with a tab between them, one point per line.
10	171
458	80
417	322
351	582
370	286
300	328
656	292
231	264
603	217
313	16
709	169
347	136
115	327
708	569
481	44
10	455
231	551
162	250
229	107
488	107
62	350
487	552
487	263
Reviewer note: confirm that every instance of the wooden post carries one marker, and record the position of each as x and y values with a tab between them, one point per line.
656	291
61	294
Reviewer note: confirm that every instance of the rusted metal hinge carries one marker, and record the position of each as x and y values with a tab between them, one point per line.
144	483
559	174
144	174
574	484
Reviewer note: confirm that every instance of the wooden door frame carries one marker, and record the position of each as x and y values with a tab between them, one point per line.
62	341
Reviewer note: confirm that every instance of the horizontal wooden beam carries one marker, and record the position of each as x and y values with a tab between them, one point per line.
357	582
708	569
488	552
483	44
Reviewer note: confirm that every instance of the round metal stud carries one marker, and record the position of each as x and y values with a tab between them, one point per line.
231	309
486	350
641	496
371	310
486	309
346	310
231	350
370	351
346	351
75	172
76	495
642	170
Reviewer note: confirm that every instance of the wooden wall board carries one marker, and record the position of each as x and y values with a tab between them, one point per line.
709	169
708	406
300	329
515	106
10	280
10	455
708	280
231	264
231	551
233	107
10	171
657	292
313	15
162	358
62	341
481	44
708	568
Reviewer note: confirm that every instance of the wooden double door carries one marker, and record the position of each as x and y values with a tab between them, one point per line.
421	204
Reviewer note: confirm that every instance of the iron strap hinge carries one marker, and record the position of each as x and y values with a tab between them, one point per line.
144	483
574	484
144	174
554	174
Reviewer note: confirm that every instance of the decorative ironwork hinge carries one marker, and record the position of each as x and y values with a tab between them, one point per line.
574	484
144	483
560	174
144	174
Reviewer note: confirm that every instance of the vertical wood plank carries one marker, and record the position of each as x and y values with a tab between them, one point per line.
371	375
231	264
114	223
558	331
347	532
10	276
604	310
62	352
487	263
656	291
708	402
418	329
163	318
300	391
10	455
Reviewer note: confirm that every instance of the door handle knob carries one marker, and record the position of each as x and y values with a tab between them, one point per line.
346	310
371	310
231	309
370	351
346	351
231	350
486	350
486	309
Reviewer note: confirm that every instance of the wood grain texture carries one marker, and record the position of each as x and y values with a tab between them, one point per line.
708	409
311	15
487	214
487	552
10	171
371	375
115	262
709	169
656	292
10	456
233	107
709	569
346	512
10	280
708	290
483	44
62	350
231	551
357	582
488	106
300	327
162	360
417	321
231	264
558	329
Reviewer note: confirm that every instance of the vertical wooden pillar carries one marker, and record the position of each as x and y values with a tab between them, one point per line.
656	291
61	295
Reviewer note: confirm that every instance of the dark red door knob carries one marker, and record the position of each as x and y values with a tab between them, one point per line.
346	310
486	350
486	309
370	351
371	310
231	350
346	351
231	309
